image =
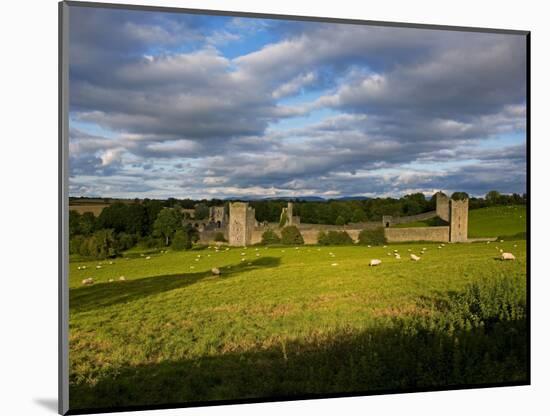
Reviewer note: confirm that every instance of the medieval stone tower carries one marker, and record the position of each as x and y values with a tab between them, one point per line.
242	220
456	214
459	221
442	207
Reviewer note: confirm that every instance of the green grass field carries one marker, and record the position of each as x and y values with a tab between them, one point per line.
499	221
281	321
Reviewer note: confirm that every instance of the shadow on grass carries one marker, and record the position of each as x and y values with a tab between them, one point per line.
106	294
396	355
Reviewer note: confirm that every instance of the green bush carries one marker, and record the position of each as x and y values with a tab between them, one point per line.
125	241
99	245
291	235
151	242
270	237
219	237
340	220
75	244
334	238
181	241
373	237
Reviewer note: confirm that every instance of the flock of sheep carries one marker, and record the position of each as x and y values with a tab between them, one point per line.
373	262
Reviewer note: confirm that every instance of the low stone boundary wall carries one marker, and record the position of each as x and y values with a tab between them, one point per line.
437	234
413	218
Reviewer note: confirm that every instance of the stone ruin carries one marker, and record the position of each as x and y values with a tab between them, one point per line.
287	212
242	220
455	213
218	216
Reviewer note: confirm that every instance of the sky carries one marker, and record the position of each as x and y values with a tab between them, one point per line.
194	106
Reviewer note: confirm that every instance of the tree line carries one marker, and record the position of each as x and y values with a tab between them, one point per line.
161	223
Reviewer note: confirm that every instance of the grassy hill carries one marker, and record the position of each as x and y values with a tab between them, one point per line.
284	321
499	221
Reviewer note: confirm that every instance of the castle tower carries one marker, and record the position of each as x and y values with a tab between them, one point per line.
242	220
442	208
459	221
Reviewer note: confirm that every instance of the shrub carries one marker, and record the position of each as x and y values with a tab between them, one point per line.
270	237
75	244
291	235
99	245
219	237
373	237
151	242
335	238
181	241
125	241
340	220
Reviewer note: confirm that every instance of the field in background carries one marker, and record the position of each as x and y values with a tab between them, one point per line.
499	221
284	320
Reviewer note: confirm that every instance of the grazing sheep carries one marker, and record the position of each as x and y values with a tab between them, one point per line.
395	251
78	267
515	245
111	280
110	262
414	257
122	278
385	246
369	246
98	267
334	264
501	250
442	245
215	271
83	267
424	248
502	241
507	256
409	250
397	257
148	258
88	281
257	254
375	262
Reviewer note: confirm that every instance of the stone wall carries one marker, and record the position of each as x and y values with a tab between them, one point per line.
437	234
459	221
388	219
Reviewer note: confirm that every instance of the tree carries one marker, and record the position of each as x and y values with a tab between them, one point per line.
459	196
373	237
492	197
291	235
340	220
270	237
358	215
181	240
168	221
202	212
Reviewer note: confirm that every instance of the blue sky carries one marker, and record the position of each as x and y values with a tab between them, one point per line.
189	106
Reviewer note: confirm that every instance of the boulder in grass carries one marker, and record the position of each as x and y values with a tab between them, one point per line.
216	271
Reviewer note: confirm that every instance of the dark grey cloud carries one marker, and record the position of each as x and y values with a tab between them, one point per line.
410	109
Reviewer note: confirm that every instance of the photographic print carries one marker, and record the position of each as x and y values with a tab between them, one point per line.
270	208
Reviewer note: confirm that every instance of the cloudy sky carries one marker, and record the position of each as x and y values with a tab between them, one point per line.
175	105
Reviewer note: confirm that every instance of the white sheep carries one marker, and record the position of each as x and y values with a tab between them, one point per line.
148	258
334	264
122	278
375	262
397	257
414	257
507	256
88	281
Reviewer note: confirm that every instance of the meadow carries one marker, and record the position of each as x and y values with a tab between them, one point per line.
307	320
